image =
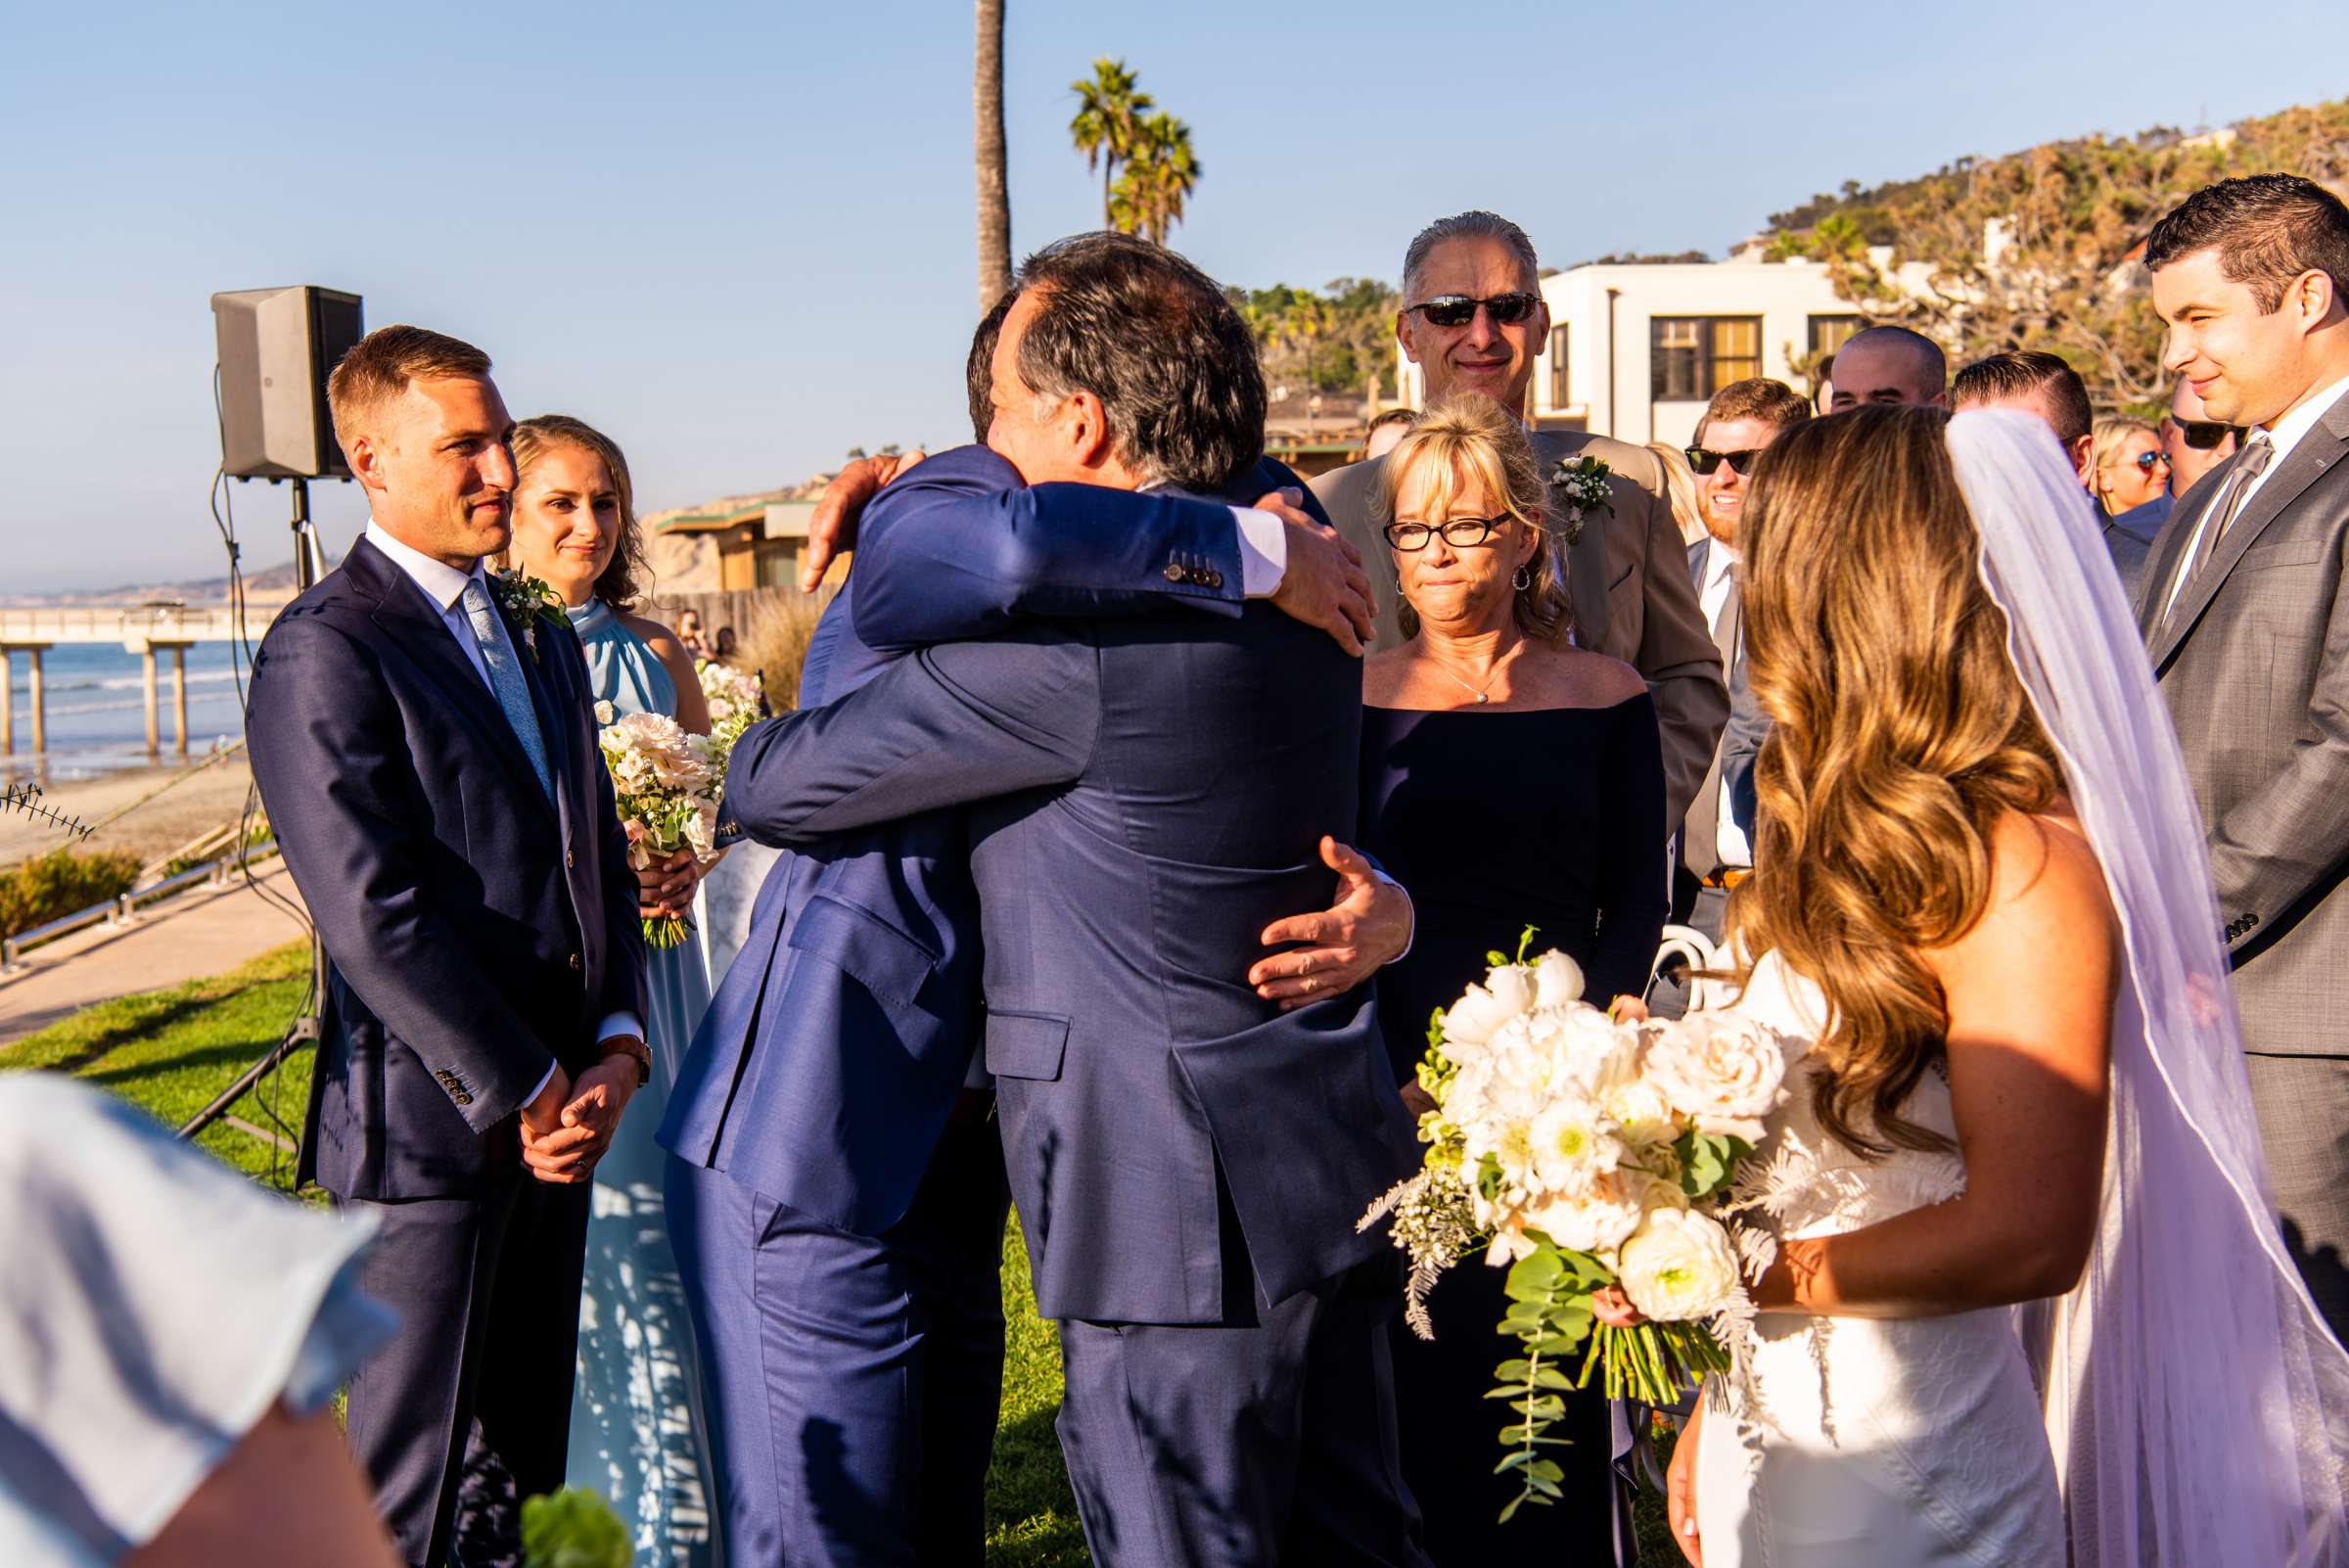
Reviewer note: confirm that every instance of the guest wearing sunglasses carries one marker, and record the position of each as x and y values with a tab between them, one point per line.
2045	387
2195	444
1473	320
1511	778
2129	467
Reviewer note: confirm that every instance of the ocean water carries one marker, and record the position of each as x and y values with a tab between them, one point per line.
97	715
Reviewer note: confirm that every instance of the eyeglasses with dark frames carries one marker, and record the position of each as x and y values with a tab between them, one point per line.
1461	532
2202	434
1705	460
1458	309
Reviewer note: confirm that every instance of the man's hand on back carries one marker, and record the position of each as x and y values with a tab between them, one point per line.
832	528
1366	929
1323	584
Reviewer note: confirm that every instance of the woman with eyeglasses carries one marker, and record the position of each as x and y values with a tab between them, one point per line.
1509	779
2130	468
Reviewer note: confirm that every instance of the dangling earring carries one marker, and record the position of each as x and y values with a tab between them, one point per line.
1523	581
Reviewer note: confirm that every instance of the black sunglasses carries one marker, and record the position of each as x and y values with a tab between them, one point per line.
1458	309
1461	532
1705	460
2202	435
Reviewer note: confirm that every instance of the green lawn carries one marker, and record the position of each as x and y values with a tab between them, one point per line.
172	1050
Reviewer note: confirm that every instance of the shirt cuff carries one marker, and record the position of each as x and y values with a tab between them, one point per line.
1263	551
616	1024
531	1098
1412	935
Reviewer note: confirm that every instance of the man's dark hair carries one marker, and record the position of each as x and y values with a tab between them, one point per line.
2268	230
979	372
1757	397
2028	374
1154	338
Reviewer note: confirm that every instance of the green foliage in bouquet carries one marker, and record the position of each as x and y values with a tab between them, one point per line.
574	1528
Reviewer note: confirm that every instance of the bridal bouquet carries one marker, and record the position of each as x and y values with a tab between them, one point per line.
1582	1151
669	788
736	699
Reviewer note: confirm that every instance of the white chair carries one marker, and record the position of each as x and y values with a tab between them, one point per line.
1691	947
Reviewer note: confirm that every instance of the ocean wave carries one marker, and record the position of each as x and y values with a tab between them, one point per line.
136	705
163	680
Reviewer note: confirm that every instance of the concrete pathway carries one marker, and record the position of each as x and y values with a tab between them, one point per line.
193	935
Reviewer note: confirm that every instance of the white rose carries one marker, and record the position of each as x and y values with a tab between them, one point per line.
1506	992
1723	1071
604	712
1680	1266
1586	1049
1558	981
1598	1221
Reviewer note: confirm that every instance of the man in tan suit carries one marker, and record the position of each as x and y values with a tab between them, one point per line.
1628	570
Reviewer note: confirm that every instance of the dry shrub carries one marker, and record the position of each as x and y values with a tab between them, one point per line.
52	886
775	644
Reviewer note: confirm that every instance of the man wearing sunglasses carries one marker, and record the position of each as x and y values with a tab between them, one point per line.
1473	319
2195	444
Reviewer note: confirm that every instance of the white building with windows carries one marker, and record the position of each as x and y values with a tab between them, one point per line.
1637	350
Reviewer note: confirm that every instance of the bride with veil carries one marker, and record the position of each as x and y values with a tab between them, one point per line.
2030	1305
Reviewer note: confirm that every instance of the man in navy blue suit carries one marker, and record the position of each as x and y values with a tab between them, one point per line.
1145	799
426	748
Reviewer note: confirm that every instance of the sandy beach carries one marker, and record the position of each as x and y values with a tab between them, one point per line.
152	830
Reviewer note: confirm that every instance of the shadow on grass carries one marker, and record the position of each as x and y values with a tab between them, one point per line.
1032	1517
145	1021
126	1079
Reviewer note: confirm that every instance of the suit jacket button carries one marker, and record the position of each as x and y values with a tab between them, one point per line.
1173	572
463	1098
1212	579
574	963
567	861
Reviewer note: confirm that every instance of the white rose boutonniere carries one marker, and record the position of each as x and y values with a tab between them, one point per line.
1581	490
524	602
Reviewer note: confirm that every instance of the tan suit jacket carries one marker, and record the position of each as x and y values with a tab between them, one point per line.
1627	575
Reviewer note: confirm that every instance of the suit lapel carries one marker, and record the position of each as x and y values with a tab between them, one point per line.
2317	451
411	622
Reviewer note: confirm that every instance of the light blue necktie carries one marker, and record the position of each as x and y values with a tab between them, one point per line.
505	679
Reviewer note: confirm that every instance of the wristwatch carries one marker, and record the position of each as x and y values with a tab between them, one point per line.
629	1046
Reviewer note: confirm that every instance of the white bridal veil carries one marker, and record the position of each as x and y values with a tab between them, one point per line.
2198	1405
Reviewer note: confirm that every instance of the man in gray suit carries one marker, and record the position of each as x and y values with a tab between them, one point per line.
2245	611
1622	570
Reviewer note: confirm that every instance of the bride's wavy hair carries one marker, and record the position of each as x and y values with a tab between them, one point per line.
1902	733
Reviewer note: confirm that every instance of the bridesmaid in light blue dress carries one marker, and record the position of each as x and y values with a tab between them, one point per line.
637	1432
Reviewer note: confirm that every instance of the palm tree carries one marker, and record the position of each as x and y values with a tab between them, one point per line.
1109	111
994	186
1161	172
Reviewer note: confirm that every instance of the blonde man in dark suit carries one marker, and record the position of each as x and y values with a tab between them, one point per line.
1626	571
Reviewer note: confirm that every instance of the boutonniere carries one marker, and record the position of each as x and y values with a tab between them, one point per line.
524	602
1583	492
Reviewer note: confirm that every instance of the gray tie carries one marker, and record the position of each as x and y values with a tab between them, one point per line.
505	679
2249	464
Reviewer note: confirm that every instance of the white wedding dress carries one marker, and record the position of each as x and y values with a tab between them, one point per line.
1856	1443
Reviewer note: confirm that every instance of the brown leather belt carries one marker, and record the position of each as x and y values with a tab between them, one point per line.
1727	877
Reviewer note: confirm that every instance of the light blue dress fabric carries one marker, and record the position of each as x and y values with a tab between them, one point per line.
637	1432
155	1307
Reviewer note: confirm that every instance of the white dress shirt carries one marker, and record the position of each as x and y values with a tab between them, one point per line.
1721	571
444	587
2282	435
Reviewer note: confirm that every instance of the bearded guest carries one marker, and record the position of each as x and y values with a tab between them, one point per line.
424	738
1488	687
639	1433
1473	318
2244	606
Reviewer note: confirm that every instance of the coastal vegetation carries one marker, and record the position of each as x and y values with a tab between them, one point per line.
49	887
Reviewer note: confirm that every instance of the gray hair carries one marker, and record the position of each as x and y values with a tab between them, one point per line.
1477	225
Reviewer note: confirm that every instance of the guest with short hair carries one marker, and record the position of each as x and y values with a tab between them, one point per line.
2047	389
2195	444
1889	365
2127	467
1490	687
1385	429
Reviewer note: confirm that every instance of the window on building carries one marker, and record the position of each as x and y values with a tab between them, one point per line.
1560	387
1692	358
1829	333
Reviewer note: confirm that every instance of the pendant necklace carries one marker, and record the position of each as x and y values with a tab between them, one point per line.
1483	694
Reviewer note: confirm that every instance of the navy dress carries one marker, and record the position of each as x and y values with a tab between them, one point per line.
1497	820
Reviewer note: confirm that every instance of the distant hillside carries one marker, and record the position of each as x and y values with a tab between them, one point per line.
2034	249
272	583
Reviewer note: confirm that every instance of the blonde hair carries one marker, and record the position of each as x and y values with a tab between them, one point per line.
621	585
1902	734
379	367
2108	435
1473	441
1680	488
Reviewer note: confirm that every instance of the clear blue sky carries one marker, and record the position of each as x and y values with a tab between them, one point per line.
739	236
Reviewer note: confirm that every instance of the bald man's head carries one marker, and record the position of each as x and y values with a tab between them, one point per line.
1890	365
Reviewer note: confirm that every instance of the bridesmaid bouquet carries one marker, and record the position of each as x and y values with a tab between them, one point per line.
1582	1151
669	788
736	698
